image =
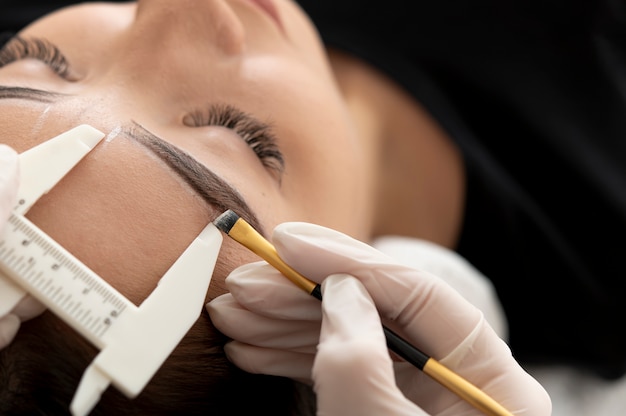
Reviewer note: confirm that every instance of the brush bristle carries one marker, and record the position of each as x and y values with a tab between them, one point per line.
226	221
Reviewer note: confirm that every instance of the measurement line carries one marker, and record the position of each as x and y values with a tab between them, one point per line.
59	280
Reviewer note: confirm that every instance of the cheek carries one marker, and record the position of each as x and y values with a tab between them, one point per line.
326	178
329	181
123	215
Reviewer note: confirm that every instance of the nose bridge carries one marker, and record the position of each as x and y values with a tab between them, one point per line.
205	24
173	47
173	41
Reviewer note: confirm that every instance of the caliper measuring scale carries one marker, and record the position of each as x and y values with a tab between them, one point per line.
134	341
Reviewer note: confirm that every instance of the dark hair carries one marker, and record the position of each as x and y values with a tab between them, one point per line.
40	371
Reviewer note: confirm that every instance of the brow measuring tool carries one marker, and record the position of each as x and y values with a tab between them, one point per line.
134	341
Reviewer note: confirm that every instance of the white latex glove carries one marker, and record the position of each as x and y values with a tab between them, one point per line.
451	267
276	330
9	181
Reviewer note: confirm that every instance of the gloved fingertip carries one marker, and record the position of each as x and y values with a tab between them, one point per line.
214	304
9	180
28	308
9	325
298	230
7	153
9	160
230	349
349	312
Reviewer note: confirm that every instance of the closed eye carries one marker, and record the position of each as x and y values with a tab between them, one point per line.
256	134
19	48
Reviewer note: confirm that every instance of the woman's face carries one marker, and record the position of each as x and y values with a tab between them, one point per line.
204	76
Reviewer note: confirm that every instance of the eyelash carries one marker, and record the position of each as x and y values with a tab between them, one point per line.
20	48
257	135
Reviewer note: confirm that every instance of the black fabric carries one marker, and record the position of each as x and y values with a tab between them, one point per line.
15	14
534	94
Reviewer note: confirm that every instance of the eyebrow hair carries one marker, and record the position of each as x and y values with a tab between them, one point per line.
24	93
209	186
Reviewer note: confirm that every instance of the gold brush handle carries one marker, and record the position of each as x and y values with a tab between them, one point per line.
464	389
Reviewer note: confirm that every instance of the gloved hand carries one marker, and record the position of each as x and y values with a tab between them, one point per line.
339	345
28	307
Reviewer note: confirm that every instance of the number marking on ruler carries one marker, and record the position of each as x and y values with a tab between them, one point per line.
59	280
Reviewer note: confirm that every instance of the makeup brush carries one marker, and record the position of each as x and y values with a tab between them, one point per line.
239	230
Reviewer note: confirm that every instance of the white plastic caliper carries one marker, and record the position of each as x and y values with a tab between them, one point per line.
134	341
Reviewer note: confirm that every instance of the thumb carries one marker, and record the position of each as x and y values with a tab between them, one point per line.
9	180
9	325
352	372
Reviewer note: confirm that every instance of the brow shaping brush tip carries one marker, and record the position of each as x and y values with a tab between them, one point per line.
226	221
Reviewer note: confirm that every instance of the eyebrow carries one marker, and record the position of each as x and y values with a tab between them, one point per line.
209	186
24	93
206	183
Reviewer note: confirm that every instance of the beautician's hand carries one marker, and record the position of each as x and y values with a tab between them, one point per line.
276	330
9	180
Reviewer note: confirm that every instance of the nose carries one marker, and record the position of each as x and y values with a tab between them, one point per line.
174	48
208	25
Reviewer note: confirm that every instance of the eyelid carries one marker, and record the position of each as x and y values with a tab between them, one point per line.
256	134
19	48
